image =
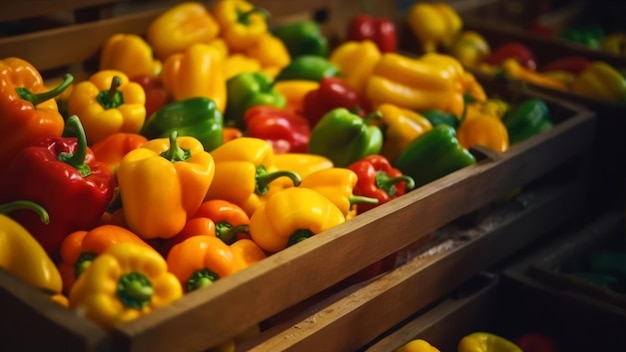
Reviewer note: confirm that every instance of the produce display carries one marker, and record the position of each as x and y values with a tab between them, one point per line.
489	342
219	139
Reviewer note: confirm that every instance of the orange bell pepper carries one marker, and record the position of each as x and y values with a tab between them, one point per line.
484	130
112	149
199	261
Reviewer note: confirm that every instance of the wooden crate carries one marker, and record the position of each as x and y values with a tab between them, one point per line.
349	317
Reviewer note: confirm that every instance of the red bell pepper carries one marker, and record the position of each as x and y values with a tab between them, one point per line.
333	92
572	64
156	94
378	179
286	131
381	31
518	51
63	176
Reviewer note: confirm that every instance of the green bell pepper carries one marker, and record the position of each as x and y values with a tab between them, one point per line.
438	117
196	117
344	137
432	155
527	119
302	38
308	68
246	90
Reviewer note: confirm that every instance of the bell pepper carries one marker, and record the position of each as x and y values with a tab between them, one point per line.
536	342
162	183
106	103
237	63
180	26
590	36
29	112
286	131
63	176
292	215
303	164
601	81
527	119
271	53
513	70
302	38
123	283
337	184
21	254
156	94
201	260
241	22
80	248
572	64
438	117
196	72
378	179
230	133
356	61
433	23
470	48
515	51
418	345
129	53
112	149
247	163
379	30
487	131
486	342
614	43
294	92
197	117
400	127
344	137
246	90
466	85
414	84
432	155
309	68
333	92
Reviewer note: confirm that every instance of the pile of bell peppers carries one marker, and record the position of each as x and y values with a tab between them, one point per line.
183	150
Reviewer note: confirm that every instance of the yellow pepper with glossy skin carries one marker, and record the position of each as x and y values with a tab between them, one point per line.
198	72
122	284
466	83
239	63
433	23
303	164
601	81
492	107
294	91
21	254
162	183
245	173
486	342
271	52
241	23
179	27
356	61
107	103
292	215
401	126
414	84
130	54
487	131
418	345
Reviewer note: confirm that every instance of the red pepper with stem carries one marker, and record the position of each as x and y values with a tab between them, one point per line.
286	131
377	178
381	31
63	176
333	92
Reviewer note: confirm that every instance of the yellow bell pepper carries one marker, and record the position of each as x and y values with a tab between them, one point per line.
21	254
466	82
240	63
292	215
198	72
130	54
294	91
470	48
486	342
487	131
356	61
401	127
414	84
601	81
122	284
433	23
245	173
179	27
107	103
271	52
163	182
418	345
514	70
494	107
303	164
241	23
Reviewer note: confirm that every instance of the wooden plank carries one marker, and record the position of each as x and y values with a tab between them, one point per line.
300	271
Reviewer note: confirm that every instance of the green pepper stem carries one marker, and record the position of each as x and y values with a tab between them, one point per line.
228	233
134	290
264	178
243	17
37	99
77	160
175	152
387	184
361	200
201	278
372	117
299	236
83	262
112	97
25	204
